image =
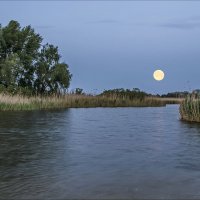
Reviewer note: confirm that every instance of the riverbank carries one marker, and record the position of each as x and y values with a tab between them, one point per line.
8	102
190	110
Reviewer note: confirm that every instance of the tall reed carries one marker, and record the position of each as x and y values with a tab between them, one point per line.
16	102
190	109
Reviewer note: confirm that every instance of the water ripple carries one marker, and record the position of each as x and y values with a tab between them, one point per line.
99	153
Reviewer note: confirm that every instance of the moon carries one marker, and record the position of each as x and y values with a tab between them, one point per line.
158	75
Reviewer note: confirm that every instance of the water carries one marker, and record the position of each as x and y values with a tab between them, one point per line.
102	153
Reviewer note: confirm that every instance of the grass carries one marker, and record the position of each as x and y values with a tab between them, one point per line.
170	100
190	109
9	102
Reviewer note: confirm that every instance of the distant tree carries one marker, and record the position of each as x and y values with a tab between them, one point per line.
135	93
176	94
79	91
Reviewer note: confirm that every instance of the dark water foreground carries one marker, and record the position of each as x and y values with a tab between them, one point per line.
100	153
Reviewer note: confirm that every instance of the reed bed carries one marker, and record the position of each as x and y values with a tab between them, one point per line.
169	100
190	109
16	102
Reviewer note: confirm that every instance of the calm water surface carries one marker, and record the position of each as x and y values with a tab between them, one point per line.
100	153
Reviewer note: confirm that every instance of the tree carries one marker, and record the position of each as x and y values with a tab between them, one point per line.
10	35
52	76
29	64
2	44
28	51
125	93
9	71
79	91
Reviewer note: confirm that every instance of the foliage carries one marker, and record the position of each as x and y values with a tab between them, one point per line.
190	109
78	91
26	64
135	93
176	94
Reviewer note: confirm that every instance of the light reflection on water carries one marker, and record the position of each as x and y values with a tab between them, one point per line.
99	153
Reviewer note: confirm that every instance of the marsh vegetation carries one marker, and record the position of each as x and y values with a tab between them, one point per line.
16	102
190	109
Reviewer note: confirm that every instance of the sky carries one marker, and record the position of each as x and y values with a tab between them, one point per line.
118	44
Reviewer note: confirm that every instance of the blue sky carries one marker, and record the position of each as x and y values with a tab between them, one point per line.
118	44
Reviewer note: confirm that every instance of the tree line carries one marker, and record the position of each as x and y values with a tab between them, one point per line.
135	93
183	94
28	66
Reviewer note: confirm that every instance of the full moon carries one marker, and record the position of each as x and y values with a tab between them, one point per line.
158	75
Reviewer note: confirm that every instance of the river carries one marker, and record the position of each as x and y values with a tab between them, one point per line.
99	153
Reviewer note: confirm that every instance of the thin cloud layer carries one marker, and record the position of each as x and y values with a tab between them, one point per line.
190	23
104	21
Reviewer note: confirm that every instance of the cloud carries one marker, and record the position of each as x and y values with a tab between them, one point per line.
181	25
104	21
187	24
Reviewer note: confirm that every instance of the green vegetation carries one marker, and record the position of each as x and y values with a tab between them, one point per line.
27	67
168	100
121	93
176	94
190	109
